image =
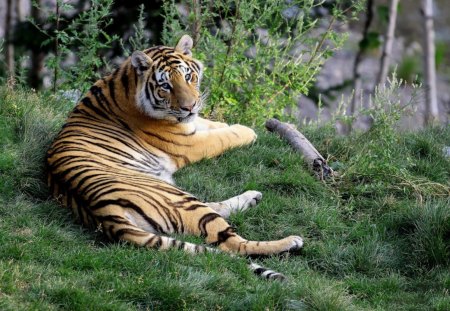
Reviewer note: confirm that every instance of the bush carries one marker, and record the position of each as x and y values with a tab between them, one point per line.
259	55
82	39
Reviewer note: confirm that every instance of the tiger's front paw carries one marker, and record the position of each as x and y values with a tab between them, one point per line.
246	134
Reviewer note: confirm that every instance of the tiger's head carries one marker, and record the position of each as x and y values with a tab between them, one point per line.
168	83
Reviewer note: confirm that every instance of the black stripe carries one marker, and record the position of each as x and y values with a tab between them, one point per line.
181	245
207	218
173	243
101	98
127	204
150	240
270	274
158	242
112	92
150	161
195	66
159	137
124	80
88	103
146	87
110	233
199	249
259	271
119	233
223	236
114	132
193	207
113	218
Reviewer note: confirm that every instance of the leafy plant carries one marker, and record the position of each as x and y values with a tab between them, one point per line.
258	54
137	40
379	163
410	68
81	40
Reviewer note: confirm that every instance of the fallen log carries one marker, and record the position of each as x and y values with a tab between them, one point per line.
317	164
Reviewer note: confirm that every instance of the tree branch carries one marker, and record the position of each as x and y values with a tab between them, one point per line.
387	47
432	111
358	58
317	164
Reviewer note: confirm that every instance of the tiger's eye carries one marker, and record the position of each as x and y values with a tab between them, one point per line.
187	77
165	86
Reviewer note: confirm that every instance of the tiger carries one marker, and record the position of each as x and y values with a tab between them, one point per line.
113	160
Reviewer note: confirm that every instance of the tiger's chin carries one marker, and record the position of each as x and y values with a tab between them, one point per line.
175	119
187	119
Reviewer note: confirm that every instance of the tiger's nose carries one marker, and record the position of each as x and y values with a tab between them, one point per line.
187	106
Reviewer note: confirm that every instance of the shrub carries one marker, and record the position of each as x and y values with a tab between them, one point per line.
258	54
82	39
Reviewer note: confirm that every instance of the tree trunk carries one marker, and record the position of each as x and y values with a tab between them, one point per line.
9	56
356	75
18	10
300	143
197	22
431	111
387	47
55	72
37	56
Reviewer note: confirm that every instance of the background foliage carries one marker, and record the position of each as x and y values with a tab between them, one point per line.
259	55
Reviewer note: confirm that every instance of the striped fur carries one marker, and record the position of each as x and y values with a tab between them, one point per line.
112	162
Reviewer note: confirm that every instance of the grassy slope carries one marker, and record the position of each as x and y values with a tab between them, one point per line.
376	239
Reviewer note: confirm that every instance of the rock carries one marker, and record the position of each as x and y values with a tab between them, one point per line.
446	151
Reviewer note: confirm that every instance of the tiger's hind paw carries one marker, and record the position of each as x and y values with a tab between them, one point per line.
296	244
249	199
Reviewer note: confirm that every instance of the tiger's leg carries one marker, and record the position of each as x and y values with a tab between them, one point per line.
229	241
202	220
238	203
205	124
118	227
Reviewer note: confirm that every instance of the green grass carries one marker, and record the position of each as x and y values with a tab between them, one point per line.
376	238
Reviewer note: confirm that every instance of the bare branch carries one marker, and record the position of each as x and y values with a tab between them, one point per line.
300	143
387	47
197	23
8	36
356	75
432	112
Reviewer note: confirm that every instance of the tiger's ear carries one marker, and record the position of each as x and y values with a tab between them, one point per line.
141	62
185	45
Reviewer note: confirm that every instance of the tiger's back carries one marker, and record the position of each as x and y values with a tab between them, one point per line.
112	162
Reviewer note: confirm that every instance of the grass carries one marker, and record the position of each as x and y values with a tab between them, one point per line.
376	238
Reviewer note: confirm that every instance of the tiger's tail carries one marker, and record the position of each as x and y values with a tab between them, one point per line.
266	273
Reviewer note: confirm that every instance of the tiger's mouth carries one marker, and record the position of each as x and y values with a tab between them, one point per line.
185	119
